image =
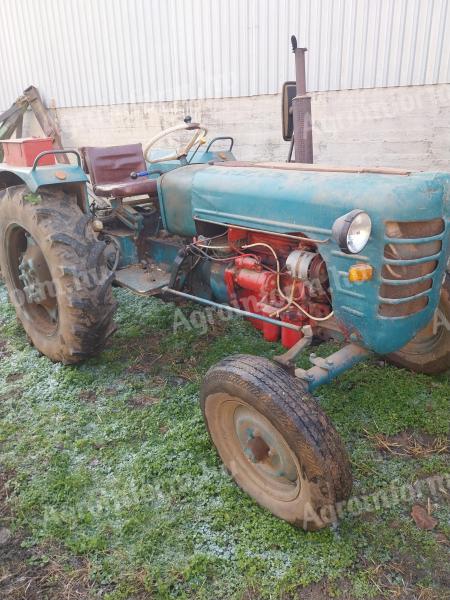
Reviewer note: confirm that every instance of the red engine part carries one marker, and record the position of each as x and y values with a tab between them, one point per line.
248	262
270	331
289	337
252	284
259	282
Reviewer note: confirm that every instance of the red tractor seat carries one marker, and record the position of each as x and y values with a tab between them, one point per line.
110	167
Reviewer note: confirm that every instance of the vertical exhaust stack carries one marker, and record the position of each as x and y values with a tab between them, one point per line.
301	109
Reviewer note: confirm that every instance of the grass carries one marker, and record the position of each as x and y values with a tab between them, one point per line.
113	483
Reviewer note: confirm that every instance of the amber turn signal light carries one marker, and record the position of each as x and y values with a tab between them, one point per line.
360	272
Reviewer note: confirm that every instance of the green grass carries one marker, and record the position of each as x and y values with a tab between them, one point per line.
111	461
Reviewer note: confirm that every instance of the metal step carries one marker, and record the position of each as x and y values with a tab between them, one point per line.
144	281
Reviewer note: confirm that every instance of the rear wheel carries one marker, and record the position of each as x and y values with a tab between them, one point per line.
275	440
56	274
429	351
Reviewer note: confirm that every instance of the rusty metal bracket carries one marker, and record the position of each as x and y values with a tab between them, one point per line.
287	360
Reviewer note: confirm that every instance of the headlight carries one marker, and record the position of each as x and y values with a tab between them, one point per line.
352	231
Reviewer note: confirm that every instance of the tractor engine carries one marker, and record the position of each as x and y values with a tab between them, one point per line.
275	276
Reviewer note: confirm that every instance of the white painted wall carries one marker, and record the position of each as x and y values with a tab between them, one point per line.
400	126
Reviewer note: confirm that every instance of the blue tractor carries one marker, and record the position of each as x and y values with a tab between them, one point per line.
307	253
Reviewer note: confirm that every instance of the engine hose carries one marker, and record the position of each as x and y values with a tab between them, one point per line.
289	302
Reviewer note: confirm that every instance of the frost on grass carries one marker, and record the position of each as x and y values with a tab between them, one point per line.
142	494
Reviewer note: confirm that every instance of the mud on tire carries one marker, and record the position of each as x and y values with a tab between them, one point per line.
82	302
253	398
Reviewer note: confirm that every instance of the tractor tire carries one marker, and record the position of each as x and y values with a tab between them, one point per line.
56	273
275	441
429	351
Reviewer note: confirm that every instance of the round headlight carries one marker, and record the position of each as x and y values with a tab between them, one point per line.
352	231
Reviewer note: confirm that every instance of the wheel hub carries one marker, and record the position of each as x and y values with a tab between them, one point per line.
264	446
36	278
257	449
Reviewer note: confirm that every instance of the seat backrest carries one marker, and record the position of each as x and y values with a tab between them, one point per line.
112	164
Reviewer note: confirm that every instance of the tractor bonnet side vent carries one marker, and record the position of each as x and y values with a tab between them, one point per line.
411	256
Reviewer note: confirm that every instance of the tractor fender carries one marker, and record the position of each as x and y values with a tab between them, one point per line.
57	174
68	178
8	179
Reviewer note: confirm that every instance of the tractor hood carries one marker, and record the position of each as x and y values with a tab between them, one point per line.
287	200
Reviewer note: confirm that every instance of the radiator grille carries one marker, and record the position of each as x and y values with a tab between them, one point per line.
411	256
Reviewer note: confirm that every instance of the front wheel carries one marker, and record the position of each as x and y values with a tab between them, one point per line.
56	273
274	439
429	351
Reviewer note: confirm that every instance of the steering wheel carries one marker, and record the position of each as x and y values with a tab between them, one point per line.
198	137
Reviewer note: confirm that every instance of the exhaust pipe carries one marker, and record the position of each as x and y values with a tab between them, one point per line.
301	109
